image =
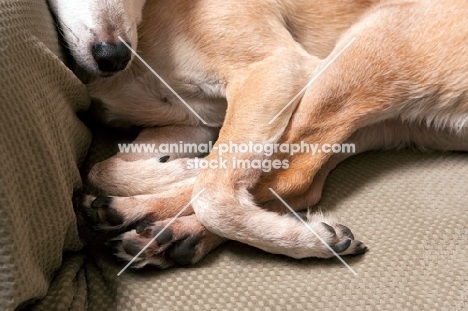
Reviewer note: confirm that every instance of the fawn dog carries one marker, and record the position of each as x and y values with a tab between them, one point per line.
239	65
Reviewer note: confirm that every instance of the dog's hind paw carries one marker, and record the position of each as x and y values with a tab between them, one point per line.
99	215
183	242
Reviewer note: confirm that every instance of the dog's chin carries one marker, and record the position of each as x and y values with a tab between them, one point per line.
103	74
92	69
95	71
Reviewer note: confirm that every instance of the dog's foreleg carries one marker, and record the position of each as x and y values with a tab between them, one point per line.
225	205
154	186
378	78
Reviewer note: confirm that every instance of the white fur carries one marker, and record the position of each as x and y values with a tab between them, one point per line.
84	23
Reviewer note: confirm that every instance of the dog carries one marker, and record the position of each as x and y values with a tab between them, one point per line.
386	74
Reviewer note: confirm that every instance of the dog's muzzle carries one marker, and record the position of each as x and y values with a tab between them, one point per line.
111	57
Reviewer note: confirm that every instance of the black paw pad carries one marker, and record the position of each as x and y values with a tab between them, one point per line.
184	251
133	247
346	231
163	236
360	249
341	247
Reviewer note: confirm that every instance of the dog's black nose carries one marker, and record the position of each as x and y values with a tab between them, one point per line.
111	57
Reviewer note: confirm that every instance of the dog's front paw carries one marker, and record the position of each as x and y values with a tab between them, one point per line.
324	238
341	241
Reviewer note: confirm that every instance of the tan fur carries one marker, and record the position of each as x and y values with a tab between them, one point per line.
403	81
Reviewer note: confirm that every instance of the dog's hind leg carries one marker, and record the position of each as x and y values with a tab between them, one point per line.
184	241
390	134
156	161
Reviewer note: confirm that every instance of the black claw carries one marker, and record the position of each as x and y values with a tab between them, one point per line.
109	214
339	248
101	202
360	249
329	228
142	226
184	252
164	159
164	236
346	231
132	247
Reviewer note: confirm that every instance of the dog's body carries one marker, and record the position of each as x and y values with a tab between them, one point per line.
237	64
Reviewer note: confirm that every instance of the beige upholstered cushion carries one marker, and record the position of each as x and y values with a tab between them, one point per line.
41	142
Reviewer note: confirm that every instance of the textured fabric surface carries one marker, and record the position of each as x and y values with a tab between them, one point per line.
41	142
409	208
